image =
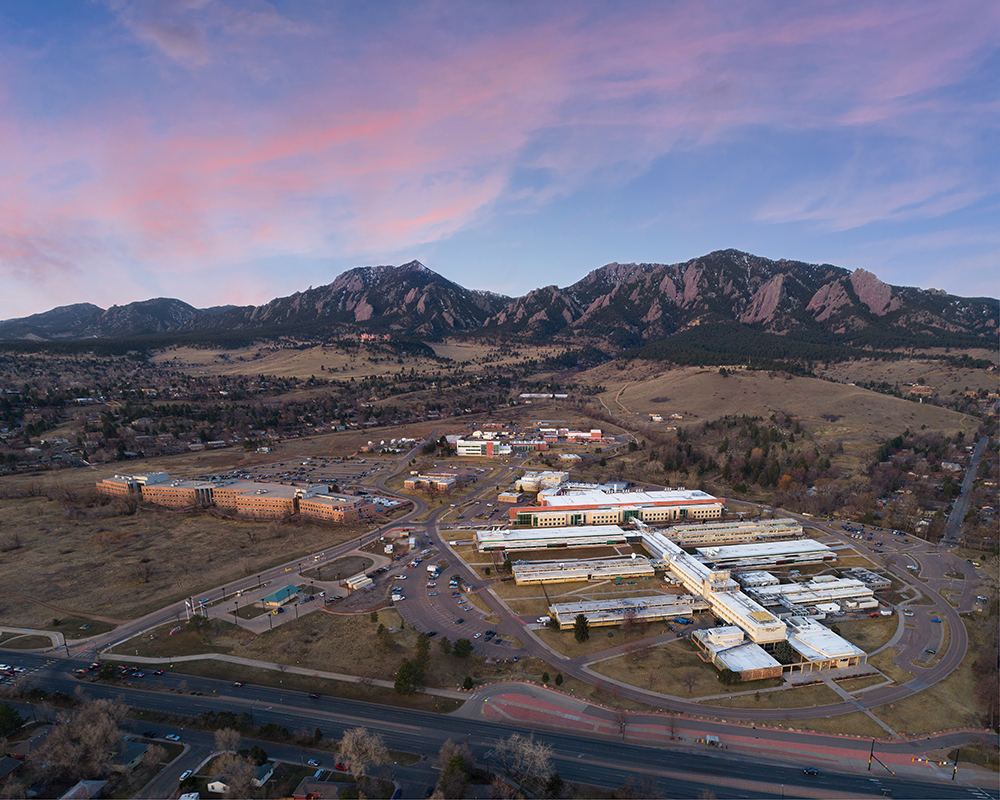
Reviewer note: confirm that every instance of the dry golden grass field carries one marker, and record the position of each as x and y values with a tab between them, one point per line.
82	558
944	379
334	363
858	418
674	669
868	634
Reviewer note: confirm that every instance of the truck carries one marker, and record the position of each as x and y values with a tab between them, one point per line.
683	621
433	571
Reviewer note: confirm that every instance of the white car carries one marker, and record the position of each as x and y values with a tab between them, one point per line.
172	737
185	775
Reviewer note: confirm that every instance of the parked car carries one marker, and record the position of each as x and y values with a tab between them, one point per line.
172	737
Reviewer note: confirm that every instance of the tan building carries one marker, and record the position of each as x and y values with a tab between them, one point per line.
334	508
179	494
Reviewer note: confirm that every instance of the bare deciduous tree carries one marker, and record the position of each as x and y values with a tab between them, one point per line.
227	742
155	754
85	744
360	749
239	776
524	760
689	678
621	721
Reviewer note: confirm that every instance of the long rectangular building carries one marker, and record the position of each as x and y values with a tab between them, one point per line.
581	536
653	608
762	555
721	533
822	589
589	569
596	507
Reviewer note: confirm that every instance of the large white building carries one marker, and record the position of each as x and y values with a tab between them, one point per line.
720	533
762	555
653	608
596	507
586	569
534	539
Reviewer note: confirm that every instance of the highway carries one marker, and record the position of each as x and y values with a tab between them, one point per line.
674	772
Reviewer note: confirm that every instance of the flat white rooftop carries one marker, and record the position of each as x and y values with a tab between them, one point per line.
595	497
515	538
818	643
738	551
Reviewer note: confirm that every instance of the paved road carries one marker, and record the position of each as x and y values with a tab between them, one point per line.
961	506
675	772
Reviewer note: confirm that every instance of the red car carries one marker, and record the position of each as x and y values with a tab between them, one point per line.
341	767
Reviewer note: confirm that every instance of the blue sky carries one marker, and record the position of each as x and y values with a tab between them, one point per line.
230	152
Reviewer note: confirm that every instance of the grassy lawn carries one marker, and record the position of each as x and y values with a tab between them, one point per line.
950	703
857	723
883	663
222	637
27	642
78	627
480	603
600	638
979	754
674	669
857	684
85	557
870	633
816	695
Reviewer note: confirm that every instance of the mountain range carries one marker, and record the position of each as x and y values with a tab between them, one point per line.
619	304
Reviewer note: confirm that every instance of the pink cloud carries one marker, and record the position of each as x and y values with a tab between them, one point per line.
262	148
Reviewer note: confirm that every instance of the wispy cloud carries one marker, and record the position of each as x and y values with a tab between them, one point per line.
250	133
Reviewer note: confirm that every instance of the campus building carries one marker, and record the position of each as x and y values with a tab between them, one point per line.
654	608
597	507
584	569
727	648
763	555
721	533
533	539
246	498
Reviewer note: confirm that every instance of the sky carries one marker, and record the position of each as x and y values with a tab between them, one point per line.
230	152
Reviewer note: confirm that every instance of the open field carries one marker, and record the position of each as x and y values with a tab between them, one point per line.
862	418
868	634
81	557
943	378
674	669
27	641
334	363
